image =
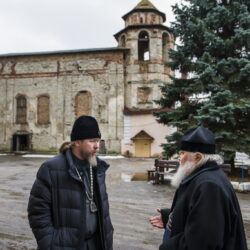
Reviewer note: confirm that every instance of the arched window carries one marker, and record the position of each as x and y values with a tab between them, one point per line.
43	111
123	41
165	46
82	103
143	46
21	109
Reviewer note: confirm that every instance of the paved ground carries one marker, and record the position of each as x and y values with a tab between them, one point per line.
132	203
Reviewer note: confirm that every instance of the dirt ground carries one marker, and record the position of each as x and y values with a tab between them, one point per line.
132	203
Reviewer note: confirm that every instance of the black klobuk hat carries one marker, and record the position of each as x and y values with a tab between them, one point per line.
85	127
198	139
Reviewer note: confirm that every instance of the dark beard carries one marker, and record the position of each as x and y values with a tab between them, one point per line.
84	156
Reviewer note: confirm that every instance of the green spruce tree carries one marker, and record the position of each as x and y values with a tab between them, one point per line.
214	52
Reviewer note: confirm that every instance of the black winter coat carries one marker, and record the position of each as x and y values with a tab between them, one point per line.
56	206
206	213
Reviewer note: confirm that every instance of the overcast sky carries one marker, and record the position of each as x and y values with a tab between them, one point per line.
45	25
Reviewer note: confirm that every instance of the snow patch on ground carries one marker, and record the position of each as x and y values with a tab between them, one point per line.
37	156
244	186
50	156
111	156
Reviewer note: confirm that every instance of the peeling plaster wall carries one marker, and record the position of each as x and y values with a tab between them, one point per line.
61	78
150	73
115	79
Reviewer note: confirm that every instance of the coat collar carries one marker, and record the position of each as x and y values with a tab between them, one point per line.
71	164
209	166
101	168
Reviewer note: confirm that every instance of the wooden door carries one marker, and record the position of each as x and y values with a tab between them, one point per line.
142	148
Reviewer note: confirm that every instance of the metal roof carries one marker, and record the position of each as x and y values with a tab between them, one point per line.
74	51
145	4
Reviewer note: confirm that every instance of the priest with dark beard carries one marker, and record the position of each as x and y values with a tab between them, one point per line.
68	205
205	213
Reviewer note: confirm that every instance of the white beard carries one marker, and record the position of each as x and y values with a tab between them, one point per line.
183	171
92	161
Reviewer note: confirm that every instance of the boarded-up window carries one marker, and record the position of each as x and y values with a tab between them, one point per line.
21	109
143	95
43	109
82	103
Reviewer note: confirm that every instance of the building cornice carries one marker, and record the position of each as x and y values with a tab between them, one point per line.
128	111
143	26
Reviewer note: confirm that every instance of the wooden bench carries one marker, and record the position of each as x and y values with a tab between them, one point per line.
156	175
161	165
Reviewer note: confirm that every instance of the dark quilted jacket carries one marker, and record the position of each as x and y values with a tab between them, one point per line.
56	206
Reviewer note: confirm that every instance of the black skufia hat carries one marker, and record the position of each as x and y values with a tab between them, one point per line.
85	127
198	139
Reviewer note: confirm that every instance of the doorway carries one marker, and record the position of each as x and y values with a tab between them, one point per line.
21	142
142	143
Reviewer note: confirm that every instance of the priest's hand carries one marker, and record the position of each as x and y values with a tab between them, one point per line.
157	220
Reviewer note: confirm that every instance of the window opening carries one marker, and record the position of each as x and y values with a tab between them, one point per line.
143	46
21	110
123	41
165	46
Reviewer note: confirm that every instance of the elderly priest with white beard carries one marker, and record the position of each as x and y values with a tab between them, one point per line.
205	213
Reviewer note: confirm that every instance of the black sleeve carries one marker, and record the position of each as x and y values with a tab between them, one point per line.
40	209
206	221
165	214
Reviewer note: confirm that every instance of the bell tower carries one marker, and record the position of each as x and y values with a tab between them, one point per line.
148	41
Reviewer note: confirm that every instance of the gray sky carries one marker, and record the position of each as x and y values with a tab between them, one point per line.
45	25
